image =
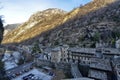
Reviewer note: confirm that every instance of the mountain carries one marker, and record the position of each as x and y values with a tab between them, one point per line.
10	27
96	20
38	23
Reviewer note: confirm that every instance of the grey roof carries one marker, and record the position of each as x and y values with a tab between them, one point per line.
111	51
56	49
100	64
107	51
97	74
47	50
83	50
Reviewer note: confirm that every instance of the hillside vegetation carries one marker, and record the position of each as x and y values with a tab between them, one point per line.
97	20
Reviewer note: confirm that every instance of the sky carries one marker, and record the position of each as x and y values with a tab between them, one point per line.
18	11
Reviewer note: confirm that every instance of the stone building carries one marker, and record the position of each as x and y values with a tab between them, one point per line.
80	55
56	55
64	52
59	54
83	55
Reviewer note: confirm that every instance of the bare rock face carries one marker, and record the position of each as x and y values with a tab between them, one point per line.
1	30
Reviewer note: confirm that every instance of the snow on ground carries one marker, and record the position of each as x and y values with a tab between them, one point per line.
6	56
10	65
37	73
11	59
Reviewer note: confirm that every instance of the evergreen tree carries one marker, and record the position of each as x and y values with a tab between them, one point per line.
2	71
1	30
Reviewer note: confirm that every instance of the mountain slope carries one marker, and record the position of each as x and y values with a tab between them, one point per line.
72	27
10	27
38	23
103	21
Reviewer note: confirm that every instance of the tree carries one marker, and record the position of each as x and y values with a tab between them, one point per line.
96	36
21	61
2	71
1	30
36	48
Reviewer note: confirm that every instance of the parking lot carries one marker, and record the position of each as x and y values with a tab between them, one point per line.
33	74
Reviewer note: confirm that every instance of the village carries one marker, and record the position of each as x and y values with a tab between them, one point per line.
62	62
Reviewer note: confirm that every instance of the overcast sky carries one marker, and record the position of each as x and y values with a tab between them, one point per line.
17	11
